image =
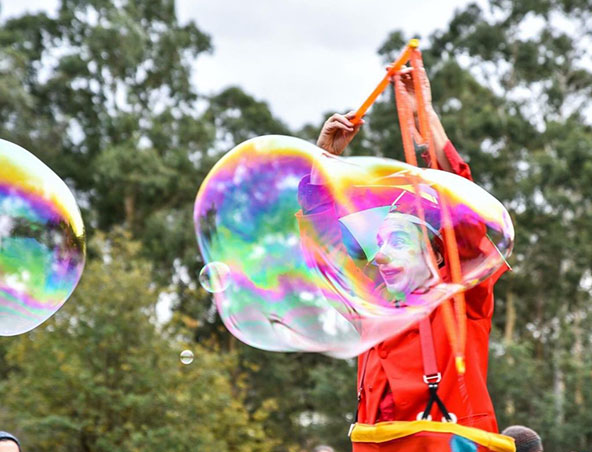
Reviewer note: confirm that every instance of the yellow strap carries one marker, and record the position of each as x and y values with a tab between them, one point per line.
388	431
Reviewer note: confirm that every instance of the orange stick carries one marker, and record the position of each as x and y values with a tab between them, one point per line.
406	122
395	67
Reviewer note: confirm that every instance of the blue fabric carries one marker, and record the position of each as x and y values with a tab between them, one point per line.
312	197
460	444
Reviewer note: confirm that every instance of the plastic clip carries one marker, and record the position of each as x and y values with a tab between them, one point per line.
432	379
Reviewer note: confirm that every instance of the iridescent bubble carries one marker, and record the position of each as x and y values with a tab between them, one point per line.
332	254
42	242
186	356
215	277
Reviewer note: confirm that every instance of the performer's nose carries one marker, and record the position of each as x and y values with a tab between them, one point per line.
381	258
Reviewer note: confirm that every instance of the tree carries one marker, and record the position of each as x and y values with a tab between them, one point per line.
102	93
103	375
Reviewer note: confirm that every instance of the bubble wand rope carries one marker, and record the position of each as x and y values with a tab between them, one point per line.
407	123
450	242
412	54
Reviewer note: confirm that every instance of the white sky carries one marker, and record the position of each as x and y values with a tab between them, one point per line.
303	57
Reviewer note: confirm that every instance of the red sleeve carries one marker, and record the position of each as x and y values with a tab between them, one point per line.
471	239
479	299
459	166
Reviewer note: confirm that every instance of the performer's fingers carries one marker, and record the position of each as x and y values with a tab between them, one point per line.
341	120
343	127
351	115
333	126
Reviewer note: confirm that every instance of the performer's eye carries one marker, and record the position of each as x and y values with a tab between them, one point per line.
399	238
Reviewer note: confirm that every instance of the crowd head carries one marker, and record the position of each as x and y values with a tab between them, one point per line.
9	443
526	439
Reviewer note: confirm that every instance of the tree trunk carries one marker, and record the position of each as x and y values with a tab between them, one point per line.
129	204
510	318
578	359
558	388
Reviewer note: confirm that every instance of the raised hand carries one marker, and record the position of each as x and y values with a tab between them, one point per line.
337	133
407	79
438	133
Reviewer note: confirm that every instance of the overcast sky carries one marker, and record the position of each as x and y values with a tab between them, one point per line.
303	57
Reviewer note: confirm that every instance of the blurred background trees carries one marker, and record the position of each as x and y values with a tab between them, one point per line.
102	93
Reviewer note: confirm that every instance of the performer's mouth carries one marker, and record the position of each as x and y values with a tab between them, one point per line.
390	273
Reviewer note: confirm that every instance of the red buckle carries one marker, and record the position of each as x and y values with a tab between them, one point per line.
432	379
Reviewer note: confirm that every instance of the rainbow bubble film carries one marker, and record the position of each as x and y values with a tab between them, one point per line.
42	246
335	254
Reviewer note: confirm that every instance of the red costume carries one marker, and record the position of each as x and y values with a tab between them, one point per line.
392	387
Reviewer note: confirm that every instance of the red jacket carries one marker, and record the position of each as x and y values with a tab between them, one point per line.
393	386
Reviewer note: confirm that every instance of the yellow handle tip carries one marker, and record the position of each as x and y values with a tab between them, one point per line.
460	365
414	43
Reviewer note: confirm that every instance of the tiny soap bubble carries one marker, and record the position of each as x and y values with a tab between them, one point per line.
215	277
186	356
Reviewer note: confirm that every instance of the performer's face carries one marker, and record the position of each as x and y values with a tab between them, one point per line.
401	258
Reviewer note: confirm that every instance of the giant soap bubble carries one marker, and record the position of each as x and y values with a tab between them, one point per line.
42	245
335	254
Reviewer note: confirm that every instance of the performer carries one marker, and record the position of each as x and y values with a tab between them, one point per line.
391	374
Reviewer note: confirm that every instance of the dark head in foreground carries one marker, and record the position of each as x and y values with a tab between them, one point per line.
527	440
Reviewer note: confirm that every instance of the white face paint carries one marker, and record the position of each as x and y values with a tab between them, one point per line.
401	257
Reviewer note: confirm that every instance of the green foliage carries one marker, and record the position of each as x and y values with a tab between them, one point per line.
103	376
313	397
236	116
103	95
